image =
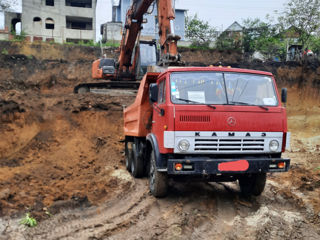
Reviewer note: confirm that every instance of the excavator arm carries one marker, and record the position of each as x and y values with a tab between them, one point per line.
133	26
132	29
168	39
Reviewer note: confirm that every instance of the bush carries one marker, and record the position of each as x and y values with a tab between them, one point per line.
19	37
315	44
4	51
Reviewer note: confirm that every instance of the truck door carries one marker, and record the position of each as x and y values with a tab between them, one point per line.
160	113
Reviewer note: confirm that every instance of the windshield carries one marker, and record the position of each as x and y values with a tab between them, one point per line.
148	55
222	88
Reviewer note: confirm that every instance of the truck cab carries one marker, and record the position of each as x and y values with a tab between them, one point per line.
208	124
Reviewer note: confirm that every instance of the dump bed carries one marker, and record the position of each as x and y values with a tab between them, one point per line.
138	116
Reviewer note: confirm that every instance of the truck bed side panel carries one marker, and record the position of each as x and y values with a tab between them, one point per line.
137	117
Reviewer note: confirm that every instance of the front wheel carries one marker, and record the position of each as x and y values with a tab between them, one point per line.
158	181
253	184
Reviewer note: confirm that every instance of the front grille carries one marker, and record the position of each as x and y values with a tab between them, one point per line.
229	145
194	118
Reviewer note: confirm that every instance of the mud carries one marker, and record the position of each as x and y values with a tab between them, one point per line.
62	161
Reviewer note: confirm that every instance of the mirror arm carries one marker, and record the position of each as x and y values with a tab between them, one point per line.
158	109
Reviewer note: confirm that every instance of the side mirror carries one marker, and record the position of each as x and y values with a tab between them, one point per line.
284	95
153	92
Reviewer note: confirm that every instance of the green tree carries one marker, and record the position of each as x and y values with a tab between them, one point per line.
314	44
199	32
303	16
254	31
229	41
263	37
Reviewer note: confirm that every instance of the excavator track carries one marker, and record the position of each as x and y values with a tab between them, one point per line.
87	87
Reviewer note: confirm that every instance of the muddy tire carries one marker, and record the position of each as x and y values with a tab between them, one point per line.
82	90
253	185
158	181
128	155
136	163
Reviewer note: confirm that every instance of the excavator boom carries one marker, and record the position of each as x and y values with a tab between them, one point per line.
134	19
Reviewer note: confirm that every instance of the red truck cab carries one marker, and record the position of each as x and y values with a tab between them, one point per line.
207	123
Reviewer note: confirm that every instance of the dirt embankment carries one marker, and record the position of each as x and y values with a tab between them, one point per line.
61	159
42	65
57	147
45	65
47	51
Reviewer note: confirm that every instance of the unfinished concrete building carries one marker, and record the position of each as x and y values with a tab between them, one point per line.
11	20
59	20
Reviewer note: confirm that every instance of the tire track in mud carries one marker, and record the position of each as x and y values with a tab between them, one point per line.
216	211
186	212
114	216
190	211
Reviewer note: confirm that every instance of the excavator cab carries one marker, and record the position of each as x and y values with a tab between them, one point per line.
103	68
149	56
107	65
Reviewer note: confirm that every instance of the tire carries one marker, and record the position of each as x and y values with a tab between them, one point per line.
136	163
83	90
128	155
253	184
158	181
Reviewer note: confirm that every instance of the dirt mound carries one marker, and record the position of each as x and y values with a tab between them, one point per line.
19	72
59	148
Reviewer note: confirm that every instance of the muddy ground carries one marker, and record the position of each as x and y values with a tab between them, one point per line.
62	161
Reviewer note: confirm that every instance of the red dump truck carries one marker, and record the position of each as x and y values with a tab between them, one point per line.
213	124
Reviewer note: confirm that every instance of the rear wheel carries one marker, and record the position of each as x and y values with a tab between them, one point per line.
253	184
136	163
128	155
158	181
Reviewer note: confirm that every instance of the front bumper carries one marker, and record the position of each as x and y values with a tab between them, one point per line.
208	166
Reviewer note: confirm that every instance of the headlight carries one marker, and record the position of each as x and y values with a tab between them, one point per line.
274	145
183	145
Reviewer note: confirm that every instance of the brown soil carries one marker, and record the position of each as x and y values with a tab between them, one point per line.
62	160
55	148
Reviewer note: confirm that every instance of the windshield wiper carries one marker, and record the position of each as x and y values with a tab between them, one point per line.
248	104
191	101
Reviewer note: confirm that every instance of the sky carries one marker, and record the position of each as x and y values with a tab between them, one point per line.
220	14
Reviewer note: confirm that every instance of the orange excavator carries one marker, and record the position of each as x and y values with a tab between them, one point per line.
135	55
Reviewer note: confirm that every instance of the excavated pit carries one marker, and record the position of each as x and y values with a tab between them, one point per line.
62	160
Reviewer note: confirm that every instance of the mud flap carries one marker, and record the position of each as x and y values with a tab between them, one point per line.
160	163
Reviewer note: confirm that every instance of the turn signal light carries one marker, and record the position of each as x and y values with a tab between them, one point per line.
281	165
178	166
